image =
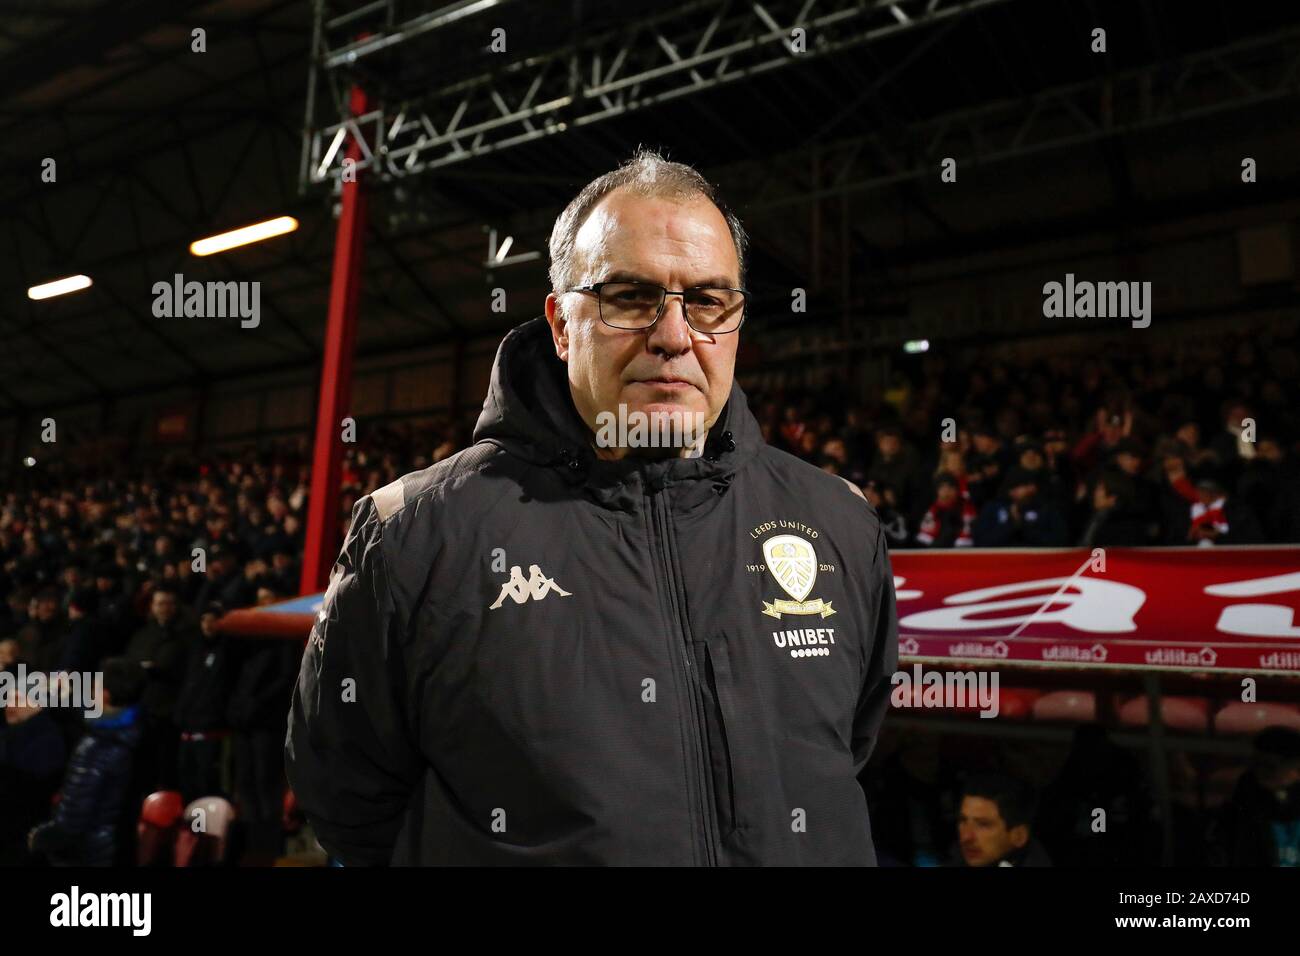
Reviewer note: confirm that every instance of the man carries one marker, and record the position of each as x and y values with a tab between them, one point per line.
160	650
1021	517
1260	825
41	640
694	666
83	828
200	712
947	522
1113	522
993	824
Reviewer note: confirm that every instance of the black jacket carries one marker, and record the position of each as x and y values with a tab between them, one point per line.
264	676
163	650
82	830
205	693
528	656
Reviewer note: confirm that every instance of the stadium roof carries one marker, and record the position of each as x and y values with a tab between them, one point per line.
157	145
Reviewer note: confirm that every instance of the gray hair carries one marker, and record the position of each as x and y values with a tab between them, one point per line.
648	174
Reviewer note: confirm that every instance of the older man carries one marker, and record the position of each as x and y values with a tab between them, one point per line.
695	664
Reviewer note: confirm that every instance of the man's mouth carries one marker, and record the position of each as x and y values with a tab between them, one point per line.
667	382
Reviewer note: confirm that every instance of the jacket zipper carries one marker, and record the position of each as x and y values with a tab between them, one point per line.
702	783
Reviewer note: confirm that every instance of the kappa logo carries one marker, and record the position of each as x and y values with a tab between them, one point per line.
519	589
793	564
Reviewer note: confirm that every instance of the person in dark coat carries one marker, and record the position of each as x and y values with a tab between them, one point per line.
1114	522
200	712
1020	517
40	641
257	713
159	649
1260	825
83	830
32	757
82	644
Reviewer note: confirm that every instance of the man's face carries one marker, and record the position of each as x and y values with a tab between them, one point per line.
983	834
163	607
946	495
47	608
668	369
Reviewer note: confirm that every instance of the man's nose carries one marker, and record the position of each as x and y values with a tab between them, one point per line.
671	334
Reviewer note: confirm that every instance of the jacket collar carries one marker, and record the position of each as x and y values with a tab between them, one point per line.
529	413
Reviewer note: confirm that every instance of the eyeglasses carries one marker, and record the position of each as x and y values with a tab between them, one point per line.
638	305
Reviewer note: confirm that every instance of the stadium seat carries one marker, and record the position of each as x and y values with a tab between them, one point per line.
156	829
1071	705
1017	703
204	837
1190	714
1239	718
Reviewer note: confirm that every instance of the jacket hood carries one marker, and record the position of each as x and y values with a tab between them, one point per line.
529	412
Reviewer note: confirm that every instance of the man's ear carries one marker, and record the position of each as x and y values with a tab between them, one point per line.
559	326
1019	835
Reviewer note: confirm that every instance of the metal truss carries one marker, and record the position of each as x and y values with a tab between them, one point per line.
691	48
1221	80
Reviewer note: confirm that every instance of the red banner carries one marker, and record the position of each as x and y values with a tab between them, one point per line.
1182	609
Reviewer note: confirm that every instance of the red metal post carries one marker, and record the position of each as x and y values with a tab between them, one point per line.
322	540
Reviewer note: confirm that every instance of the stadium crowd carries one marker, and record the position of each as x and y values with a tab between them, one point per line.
1185	446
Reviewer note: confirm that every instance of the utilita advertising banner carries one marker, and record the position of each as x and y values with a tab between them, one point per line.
1182	609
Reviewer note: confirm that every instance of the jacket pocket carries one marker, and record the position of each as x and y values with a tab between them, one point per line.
719	714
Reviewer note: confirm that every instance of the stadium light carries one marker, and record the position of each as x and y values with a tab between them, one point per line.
48	290
916	345
243	236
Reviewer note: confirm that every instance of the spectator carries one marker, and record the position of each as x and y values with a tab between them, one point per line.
256	713
201	710
40	642
159	649
947	523
1260	825
1097	773
1214	519
896	465
32	755
1114	522
994	824
1020	517
83	830
882	497
1268	488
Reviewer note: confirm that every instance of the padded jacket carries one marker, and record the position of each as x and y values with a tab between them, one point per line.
527	655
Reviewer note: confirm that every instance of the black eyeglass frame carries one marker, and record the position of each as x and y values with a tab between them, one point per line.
597	286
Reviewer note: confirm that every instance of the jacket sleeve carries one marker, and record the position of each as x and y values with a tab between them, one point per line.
347	753
873	700
82	788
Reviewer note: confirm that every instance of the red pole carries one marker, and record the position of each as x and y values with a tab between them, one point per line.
322	541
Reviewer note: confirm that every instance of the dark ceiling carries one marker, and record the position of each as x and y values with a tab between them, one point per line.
157	146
